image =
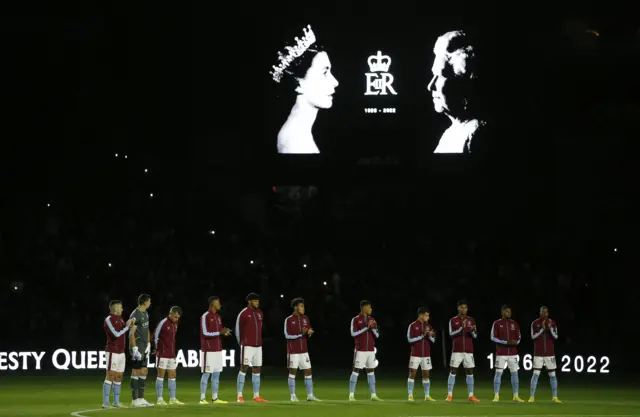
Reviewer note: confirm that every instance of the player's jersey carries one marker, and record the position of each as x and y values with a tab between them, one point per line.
543	339
296	341
165	338
503	331
142	328
419	344
363	337
461	334
249	327
116	329
210	328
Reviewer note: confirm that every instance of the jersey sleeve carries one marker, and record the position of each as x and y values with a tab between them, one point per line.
354	332
239	326
535	333
112	329
203	327
519	334
494	335
289	332
554	329
454	329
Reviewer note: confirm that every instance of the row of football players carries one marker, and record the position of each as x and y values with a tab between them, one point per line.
505	333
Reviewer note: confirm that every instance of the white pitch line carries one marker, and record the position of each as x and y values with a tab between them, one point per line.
79	413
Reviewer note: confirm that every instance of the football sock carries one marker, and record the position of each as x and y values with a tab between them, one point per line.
241	376
470	385
497	380
426	384
451	383
534	383
106	391
410	383
117	387
308	384
159	387
292	384
172	388
255	380
515	383
371	379
142	382
215	384
352	382
554	384
204	382
134	387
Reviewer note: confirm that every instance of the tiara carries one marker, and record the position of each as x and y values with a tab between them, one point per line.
293	52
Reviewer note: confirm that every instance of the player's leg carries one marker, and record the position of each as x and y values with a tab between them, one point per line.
469	365
244	357
108	382
205	369
305	366
142	381
426	378
135	378
370	365
120	361
292	363
454	364
216	368
161	367
515	380
358	364
497	377
256	367
538	363
414	363
550	364
171	375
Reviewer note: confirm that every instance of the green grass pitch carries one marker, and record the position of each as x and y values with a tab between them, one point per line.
64	395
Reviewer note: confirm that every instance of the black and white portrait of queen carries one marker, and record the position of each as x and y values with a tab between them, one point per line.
303	71
454	88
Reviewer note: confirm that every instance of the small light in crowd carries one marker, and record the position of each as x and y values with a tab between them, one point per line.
615	249
304	265
116	155
151	195
146	170
109	264
15	288
281	295
324	283
48	204
212	232
125	157
251	262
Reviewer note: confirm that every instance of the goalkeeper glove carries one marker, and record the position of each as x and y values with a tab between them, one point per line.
136	354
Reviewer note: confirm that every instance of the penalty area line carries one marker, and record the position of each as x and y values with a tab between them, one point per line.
79	413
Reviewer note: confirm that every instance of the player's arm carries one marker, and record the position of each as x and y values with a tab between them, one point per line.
290	333
519	334
113	330
354	332
453	329
432	338
376	333
203	327
494	335
473	331
156	334
132	335
239	325
554	330
410	339
534	334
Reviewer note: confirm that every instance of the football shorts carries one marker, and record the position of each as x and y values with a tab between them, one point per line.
416	362
549	362
366	360
211	362
251	356
511	361
466	359
298	361
170	364
116	362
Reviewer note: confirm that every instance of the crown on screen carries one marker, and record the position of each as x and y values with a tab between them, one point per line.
379	62
292	52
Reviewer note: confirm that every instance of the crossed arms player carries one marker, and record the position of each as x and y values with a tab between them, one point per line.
140	347
462	330
420	335
165	341
544	333
364	331
297	330
249	335
211	332
115	328
505	333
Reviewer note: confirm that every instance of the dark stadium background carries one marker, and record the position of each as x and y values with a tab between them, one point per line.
555	226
